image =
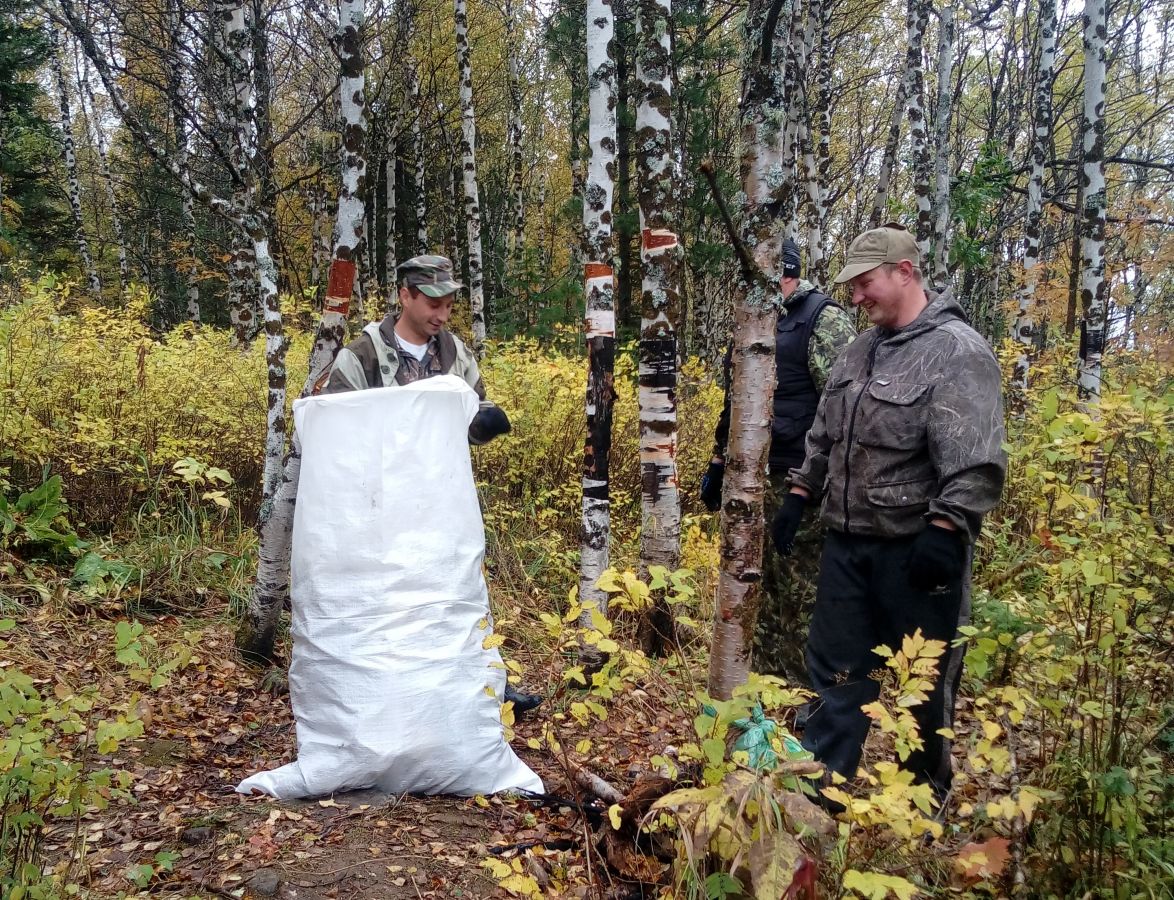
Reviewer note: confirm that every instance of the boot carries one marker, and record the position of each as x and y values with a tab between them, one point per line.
523	703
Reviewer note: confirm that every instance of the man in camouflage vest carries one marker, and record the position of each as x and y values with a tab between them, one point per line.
811	332
906	455
415	345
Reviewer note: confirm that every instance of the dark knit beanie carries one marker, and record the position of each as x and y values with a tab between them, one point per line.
790	259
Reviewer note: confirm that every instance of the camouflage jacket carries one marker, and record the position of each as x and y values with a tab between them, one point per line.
373	359
909	428
833	331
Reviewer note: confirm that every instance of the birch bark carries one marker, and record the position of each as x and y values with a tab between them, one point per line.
599	288
517	233
660	256
880	202
176	91
1023	330
755	314
469	178
1093	288
98	138
915	21
71	172
942	115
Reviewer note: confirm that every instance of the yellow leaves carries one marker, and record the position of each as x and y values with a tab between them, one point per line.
511	878
877	886
492	641
615	814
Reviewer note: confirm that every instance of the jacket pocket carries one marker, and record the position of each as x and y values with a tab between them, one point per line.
893	415
834	409
898	494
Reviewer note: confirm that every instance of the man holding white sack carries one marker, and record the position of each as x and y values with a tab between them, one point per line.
415	345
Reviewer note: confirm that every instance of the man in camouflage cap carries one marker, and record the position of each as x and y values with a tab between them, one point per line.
906	456
811	332
414	345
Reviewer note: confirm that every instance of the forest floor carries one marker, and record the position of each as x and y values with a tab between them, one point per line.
184	832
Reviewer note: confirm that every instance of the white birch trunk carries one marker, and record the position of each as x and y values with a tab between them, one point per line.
599	286
660	308
97	135
176	80
880	202
1023	330
469	178
915	22
942	115
517	234
390	259
351	218
71	173
755	315
1093	289
418	182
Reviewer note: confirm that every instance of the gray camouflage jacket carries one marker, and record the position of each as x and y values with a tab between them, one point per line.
372	360
909	428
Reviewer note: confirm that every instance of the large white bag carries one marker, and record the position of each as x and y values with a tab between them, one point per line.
389	677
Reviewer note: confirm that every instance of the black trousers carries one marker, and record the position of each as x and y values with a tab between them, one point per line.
863	600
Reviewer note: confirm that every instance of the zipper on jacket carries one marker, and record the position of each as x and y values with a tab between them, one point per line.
852	430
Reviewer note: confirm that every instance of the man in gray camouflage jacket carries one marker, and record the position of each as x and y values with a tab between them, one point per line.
906	456
415	345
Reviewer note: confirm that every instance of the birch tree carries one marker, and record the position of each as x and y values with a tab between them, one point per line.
175	93
517	233
755	314
97	137
74	187
599	287
1023	330
915	22
892	145
942	114
1093	288
660	257
469	178
351	218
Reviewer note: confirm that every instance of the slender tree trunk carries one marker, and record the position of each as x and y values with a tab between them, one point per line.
915	22
599	287
816	248
1093	288
318	225
794	55
755	315
390	260
421	191
518	233
259	627
942	115
351	221
242	267
892	144
1024	329
71	173
98	138
660	255
469	170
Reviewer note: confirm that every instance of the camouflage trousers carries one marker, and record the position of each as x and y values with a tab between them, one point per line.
780	639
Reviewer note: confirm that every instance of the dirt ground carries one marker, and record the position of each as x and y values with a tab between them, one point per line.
214	724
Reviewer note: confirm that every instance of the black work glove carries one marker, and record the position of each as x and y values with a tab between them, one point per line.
937	558
711	486
786	523
489	423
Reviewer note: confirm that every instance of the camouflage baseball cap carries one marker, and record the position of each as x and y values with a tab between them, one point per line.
430	275
890	243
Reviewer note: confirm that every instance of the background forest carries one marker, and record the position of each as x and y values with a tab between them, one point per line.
200	204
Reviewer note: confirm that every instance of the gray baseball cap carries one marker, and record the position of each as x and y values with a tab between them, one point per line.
890	243
430	275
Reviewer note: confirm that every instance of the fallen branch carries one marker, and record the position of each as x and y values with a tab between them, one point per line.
589	781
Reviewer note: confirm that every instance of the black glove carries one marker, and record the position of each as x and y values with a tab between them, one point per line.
711	486
937	558
488	424
786	523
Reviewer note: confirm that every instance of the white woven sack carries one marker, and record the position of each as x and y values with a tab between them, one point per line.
390	611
